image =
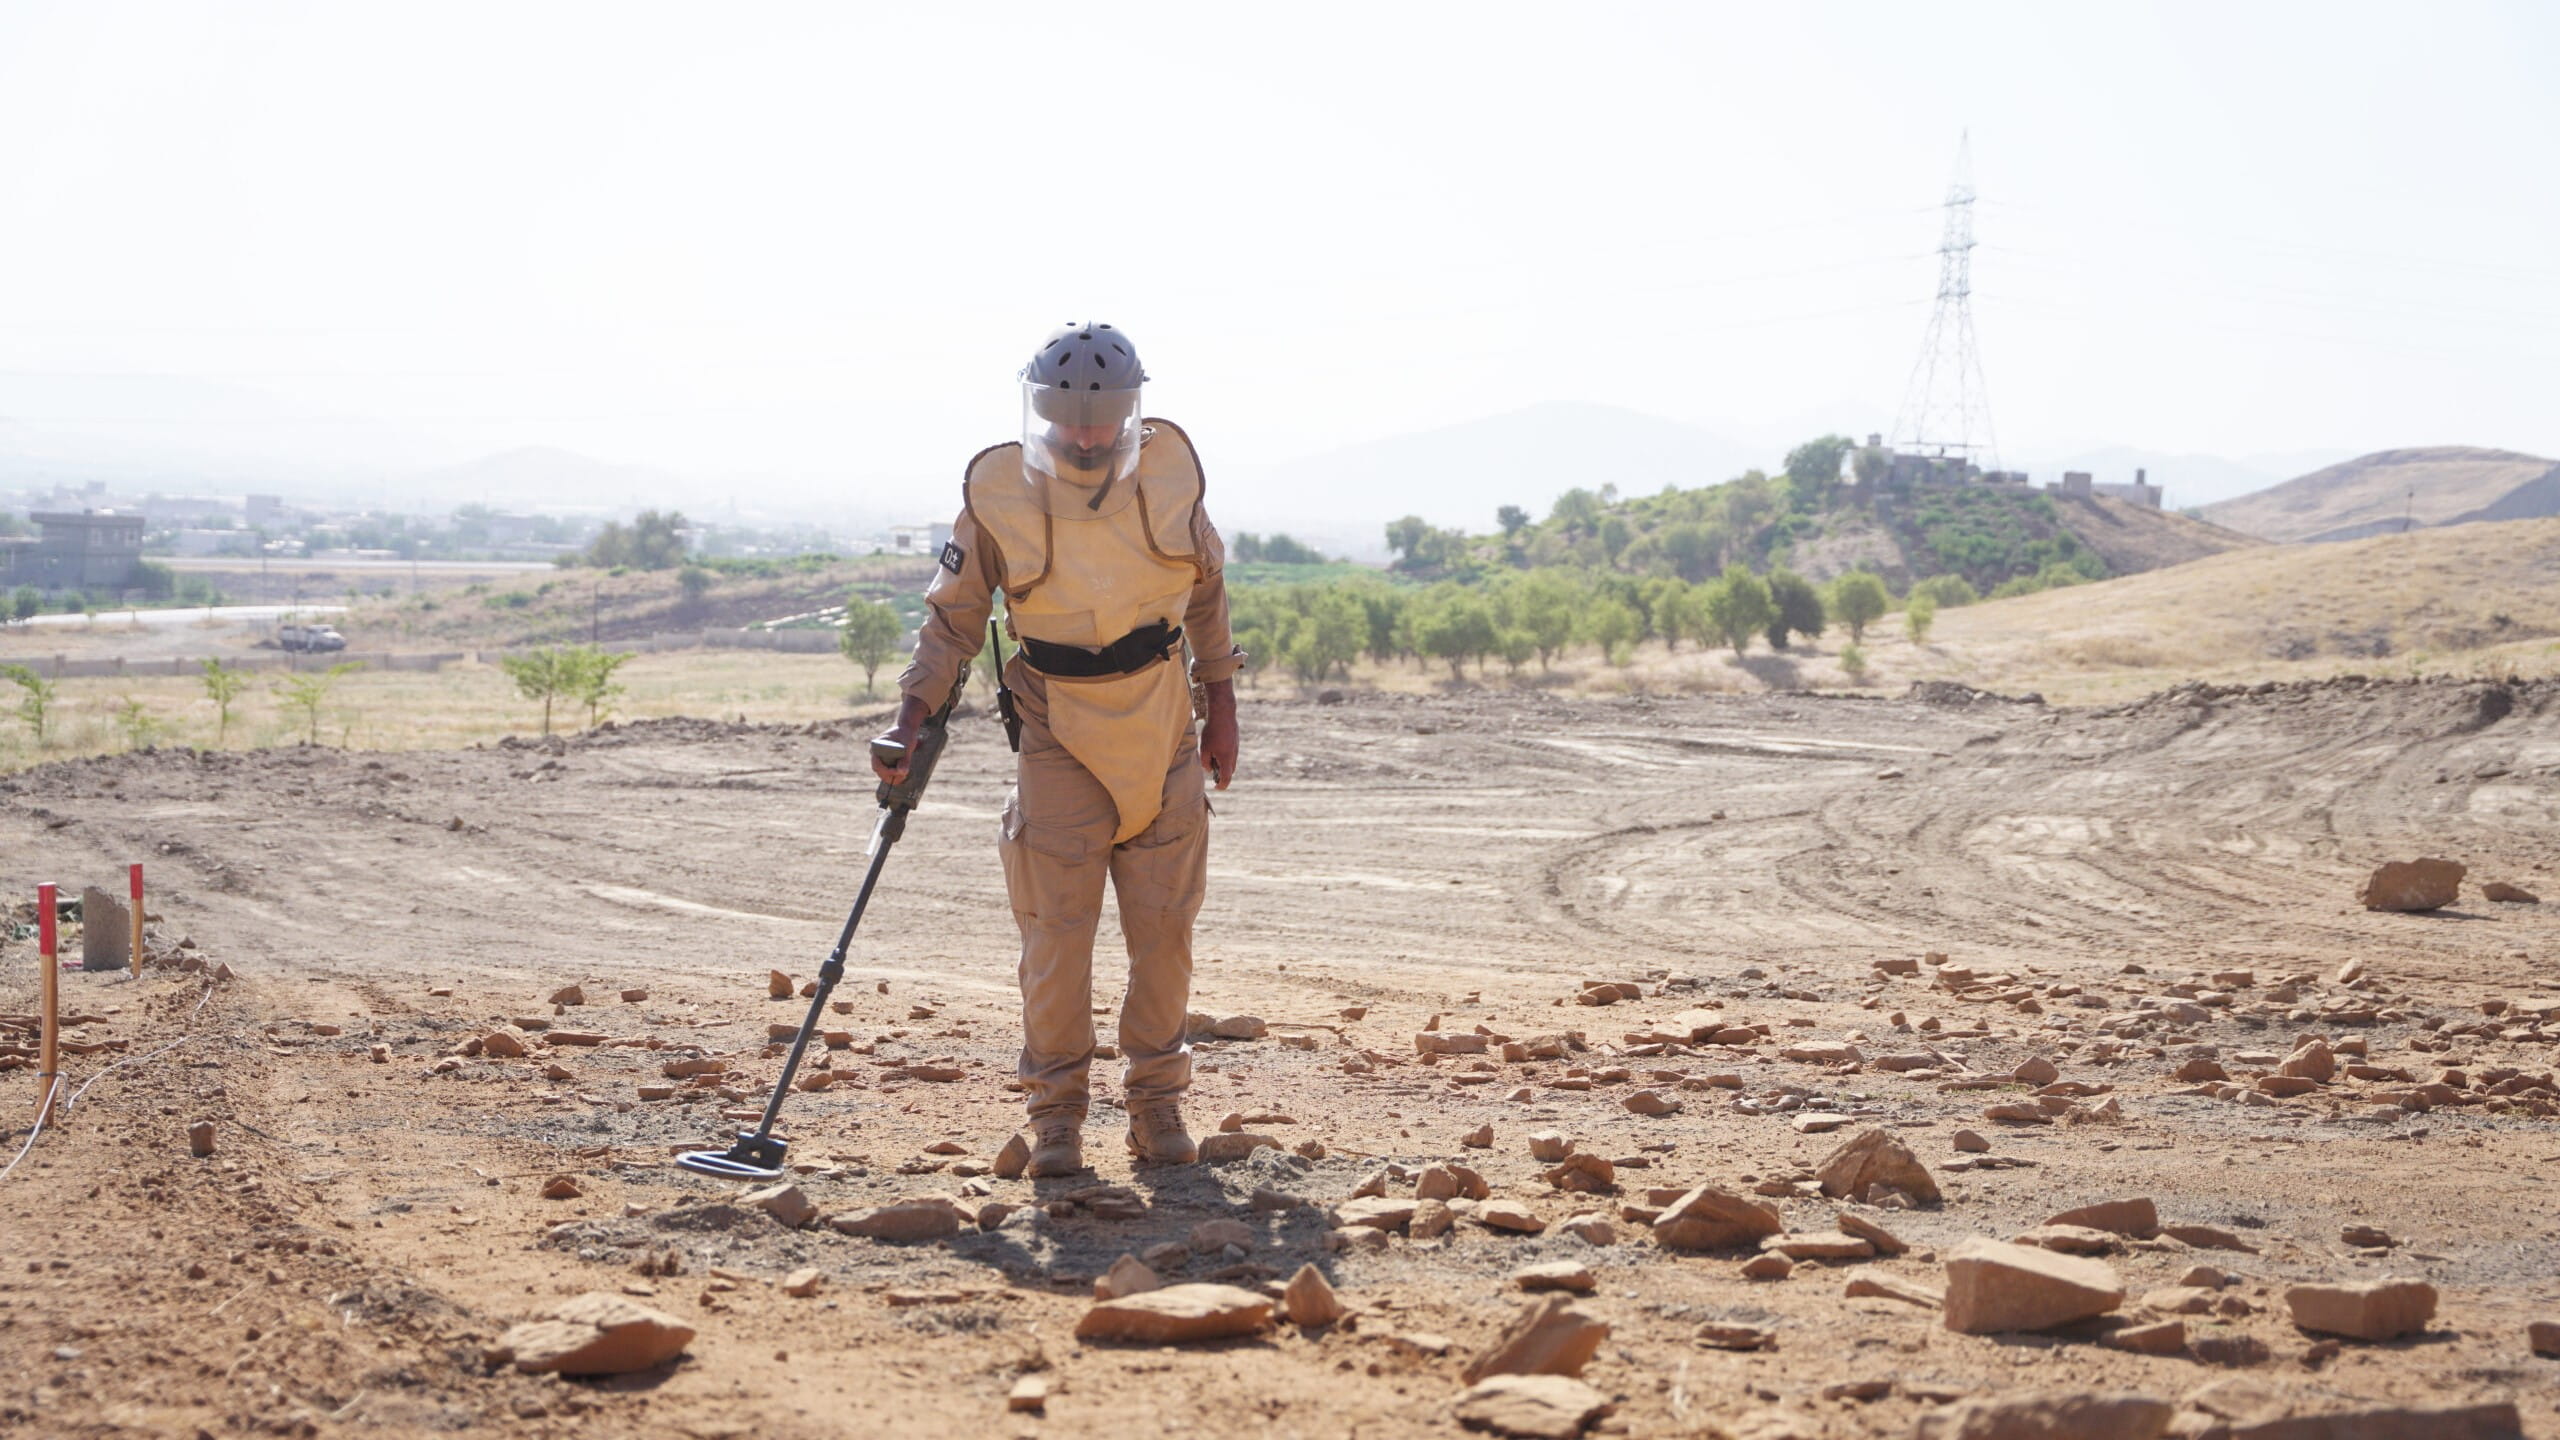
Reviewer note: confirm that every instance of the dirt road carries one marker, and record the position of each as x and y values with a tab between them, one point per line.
373	1215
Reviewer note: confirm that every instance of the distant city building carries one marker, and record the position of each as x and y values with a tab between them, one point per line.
90	550
919	539
265	512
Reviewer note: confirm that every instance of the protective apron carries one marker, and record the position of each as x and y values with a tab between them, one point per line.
1083	574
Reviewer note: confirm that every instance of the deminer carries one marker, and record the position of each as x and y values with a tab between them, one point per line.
1091	528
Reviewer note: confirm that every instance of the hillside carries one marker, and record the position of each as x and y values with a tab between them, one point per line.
2392	489
1990	535
2384	604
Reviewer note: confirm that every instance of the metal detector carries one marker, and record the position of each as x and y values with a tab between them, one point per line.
758	1155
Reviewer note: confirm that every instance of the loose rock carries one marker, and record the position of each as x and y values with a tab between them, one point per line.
1547	1337
1708	1218
1894	1287
2138	1217
2049	1415
2366	1310
1228	1148
1992	1287
1431	1219
1377	1212
1127	1276
2165	1337
785	1203
1533	1407
1570	1275
906	1221
1310	1300
1872	1158
594	1334
1509	1215
1177	1315
1584	1174
1884	1241
2428	884
1014	1158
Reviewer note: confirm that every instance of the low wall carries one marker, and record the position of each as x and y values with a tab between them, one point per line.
797	642
62	667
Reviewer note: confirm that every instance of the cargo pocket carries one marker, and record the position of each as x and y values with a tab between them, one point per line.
1045	869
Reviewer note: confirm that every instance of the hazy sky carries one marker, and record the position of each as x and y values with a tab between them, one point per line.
814	243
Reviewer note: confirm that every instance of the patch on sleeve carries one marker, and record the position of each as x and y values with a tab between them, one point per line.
952	556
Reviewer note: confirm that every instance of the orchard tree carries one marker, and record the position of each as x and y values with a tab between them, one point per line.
872	631
1738	607
1611	625
1859	599
1795	606
1814	469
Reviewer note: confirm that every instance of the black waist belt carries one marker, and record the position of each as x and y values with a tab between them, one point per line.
1130	653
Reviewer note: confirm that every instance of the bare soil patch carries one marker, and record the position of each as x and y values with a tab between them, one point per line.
2097	883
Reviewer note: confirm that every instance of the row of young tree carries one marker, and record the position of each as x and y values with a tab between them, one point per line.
302	694
1316	631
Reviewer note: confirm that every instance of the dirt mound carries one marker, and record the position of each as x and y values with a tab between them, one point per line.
1956	695
2391	490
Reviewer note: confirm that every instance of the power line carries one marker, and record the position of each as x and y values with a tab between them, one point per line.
1946	409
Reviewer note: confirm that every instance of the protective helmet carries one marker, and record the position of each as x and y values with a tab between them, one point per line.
1080	406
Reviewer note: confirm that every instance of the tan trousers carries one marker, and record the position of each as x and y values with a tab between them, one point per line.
1056	844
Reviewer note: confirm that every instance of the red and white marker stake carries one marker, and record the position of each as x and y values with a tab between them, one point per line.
137	920
51	1045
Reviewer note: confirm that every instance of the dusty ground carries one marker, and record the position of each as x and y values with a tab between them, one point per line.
364	1228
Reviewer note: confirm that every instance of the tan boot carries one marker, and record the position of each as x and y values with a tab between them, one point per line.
1057	1148
1156	1135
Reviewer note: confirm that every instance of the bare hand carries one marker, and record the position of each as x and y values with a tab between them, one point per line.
1218	740
902	733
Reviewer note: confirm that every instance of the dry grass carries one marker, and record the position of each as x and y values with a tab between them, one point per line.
2425	603
461	705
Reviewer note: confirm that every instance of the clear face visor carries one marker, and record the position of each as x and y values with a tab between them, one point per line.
1083	437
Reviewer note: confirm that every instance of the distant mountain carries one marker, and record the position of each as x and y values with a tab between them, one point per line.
1459	475
2392	489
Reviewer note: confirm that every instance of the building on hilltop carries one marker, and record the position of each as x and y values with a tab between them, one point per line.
2137	491
89	550
919	539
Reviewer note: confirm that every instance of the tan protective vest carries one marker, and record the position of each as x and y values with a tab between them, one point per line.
1085	576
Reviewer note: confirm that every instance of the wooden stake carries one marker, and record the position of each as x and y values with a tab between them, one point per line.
51	1015
137	920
